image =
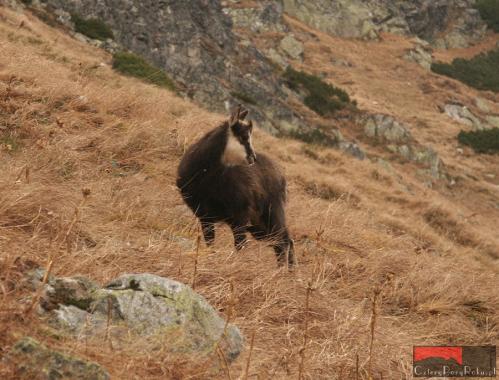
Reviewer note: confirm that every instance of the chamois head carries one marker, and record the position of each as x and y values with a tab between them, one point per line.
239	149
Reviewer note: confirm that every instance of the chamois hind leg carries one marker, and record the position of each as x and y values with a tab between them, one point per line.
278	232
208	228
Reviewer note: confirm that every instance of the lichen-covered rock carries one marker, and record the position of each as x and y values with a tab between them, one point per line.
482	104
76	291
344	18
463	115
398	140
448	24
145	306
493	121
265	18
292	47
34	360
386	128
421	53
277	58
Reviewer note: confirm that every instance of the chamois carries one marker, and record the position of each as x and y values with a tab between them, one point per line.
222	179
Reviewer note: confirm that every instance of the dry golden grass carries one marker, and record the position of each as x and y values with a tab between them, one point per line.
73	124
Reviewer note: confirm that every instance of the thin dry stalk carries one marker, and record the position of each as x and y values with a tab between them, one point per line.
301	367
196	258
51	260
219	350
108	325
86	193
38	294
373	326
25	170
223	360
357	367
246	370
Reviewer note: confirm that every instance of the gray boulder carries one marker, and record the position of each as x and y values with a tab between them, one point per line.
140	306
386	128
397	139
266	18
421	53
34	360
292	47
493	121
463	115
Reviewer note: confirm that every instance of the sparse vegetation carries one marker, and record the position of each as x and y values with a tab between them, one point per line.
321	97
133	65
92	27
314	136
10	143
245	98
328	192
489	10
484	141
480	72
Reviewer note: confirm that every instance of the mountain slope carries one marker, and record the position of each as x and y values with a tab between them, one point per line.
68	123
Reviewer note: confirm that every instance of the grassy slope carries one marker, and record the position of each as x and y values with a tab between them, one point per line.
79	125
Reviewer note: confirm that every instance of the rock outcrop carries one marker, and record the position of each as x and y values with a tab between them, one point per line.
446	23
463	115
37	361
144	307
421	53
193	41
384	129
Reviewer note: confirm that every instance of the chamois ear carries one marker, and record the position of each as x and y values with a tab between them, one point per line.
243	115
250	126
234	117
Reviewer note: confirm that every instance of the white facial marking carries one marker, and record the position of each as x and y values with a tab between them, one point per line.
234	153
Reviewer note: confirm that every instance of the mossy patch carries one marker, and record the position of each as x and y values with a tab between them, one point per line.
133	65
92	27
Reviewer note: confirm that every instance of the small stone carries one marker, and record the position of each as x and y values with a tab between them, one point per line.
493	121
482	104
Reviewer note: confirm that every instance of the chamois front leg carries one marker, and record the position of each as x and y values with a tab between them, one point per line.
208	228
239	229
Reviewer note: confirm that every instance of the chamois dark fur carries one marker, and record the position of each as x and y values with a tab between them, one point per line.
249	197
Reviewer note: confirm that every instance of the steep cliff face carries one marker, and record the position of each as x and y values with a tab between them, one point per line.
194	43
446	23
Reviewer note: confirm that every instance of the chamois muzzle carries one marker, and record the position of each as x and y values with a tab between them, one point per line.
251	158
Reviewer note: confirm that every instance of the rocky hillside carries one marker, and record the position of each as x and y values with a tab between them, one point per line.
102	271
196	44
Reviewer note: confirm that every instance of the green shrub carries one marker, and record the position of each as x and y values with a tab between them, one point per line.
136	66
480	71
243	97
92	27
484	141
489	10
320	96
